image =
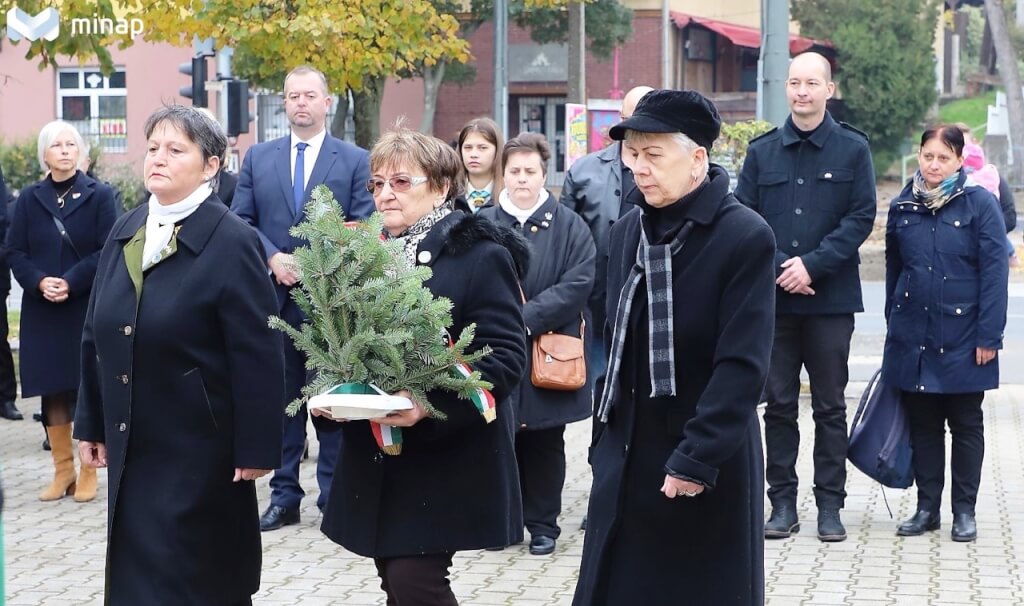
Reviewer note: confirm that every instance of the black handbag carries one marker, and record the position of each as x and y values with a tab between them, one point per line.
880	435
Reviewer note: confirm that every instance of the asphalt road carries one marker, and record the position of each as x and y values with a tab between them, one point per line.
869	336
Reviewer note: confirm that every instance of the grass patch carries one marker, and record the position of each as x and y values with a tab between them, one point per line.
973	111
14	324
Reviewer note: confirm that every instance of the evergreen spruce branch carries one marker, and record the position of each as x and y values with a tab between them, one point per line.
371	320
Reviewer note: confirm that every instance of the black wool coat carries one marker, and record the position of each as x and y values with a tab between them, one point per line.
183	387
51	333
642	547
455	486
557	290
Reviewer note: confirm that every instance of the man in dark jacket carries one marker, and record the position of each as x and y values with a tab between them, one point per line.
8	383
596	187
813	181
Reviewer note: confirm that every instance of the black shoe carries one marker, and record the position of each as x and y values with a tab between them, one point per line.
541	545
922	522
830	527
37	417
782	524
9	411
276	517
965	528
583	524
46	444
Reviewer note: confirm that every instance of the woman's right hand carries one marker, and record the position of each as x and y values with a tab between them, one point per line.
93	454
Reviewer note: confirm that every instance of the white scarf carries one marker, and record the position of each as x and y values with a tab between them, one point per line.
161	220
520	214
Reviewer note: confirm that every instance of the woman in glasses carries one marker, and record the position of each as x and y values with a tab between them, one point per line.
453	486
556	289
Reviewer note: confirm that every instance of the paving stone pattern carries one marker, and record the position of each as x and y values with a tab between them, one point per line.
54	551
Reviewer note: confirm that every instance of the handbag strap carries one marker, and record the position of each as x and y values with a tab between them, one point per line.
583	320
861	408
64	234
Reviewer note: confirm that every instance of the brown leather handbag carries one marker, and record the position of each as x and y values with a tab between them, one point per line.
559	362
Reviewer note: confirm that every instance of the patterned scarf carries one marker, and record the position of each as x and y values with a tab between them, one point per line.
936	198
655	264
416	232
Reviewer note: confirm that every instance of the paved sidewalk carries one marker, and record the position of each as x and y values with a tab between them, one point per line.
55	550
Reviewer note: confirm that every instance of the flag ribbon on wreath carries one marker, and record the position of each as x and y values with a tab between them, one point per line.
389	439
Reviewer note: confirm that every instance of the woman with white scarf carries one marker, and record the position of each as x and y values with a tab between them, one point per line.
556	288
182	381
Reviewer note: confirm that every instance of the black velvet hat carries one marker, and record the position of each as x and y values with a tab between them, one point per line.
673	111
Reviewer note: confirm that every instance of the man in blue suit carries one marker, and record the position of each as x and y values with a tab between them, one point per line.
275	182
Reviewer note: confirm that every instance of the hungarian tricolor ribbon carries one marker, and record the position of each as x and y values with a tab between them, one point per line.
389	438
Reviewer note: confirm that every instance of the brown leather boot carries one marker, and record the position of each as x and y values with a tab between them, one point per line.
63	463
85	489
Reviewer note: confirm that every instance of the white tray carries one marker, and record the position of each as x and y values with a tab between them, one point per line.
359	406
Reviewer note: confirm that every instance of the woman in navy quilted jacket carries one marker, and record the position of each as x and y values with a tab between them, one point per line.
946	290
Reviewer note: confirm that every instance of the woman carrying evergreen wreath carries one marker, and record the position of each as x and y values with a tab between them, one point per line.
453	487
557	289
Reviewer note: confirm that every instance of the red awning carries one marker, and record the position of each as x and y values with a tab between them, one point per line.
741	35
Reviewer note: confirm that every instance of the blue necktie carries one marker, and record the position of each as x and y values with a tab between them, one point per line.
298	183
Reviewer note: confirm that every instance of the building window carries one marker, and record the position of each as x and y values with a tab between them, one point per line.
272	121
96	105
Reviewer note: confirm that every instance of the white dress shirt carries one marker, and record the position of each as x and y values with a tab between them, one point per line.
316	143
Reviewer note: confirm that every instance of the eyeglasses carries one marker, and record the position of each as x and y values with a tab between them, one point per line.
399	184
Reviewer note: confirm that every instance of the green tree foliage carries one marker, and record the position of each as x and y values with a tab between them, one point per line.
731	146
886	62
371	320
608	23
21	166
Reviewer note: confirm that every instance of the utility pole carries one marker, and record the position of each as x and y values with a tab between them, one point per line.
773	64
666	56
577	53
501	65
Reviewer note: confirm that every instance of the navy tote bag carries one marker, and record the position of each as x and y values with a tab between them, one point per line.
880	436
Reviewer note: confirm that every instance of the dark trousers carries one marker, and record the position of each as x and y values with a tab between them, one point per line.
8	382
928	414
285	490
822	345
597	358
541	457
416	580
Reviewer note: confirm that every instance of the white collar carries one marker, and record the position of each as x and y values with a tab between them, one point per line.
520	214
316	140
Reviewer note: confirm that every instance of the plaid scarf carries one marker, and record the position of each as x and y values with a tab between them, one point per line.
655	264
416	232
936	198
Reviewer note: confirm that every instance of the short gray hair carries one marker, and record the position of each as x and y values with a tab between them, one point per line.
686	144
199	127
50	132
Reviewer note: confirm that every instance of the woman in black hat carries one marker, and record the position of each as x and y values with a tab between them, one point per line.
676	510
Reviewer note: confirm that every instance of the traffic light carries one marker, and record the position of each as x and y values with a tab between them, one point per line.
197	91
238	107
